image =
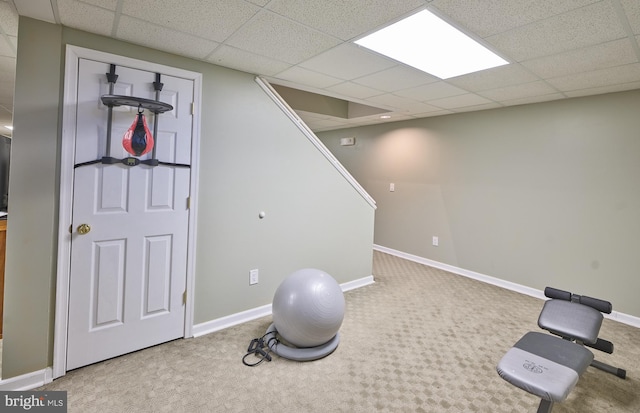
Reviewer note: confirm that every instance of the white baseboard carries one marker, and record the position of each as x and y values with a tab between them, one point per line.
508	285
361	282
254	313
230	320
624	318
28	381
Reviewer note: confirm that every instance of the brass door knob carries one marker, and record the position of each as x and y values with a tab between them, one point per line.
84	229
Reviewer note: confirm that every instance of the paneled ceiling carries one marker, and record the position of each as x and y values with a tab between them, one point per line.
557	49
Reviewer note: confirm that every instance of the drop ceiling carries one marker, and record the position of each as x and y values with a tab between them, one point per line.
557	49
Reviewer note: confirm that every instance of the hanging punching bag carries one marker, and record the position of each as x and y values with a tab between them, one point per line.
138	139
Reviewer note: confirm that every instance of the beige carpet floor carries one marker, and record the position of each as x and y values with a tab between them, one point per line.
418	340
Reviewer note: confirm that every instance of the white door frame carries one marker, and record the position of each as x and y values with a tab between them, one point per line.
73	53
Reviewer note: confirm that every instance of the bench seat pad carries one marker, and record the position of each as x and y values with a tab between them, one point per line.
572	320
545	365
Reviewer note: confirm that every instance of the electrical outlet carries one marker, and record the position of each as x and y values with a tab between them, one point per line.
392	187
435	241
253	277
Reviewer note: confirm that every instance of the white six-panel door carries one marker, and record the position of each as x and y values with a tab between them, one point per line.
128	273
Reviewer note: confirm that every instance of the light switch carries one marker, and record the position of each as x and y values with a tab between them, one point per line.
253	277
350	141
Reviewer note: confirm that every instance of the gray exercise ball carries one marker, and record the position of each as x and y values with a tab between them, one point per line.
308	308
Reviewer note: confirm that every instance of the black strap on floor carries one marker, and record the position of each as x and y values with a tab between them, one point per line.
260	349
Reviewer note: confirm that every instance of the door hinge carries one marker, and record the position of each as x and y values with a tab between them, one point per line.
188	202
193	108
184	297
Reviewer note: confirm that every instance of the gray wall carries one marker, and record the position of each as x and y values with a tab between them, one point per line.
255	159
542	194
252	159
29	289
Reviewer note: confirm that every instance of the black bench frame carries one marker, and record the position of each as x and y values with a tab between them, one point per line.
600	344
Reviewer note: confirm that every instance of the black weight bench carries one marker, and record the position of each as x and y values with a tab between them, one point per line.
549	366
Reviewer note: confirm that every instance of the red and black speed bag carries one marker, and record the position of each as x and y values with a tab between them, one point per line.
138	139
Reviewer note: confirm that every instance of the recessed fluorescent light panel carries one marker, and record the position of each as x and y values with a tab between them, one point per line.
432	45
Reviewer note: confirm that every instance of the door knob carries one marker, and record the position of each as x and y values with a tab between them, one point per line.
84	229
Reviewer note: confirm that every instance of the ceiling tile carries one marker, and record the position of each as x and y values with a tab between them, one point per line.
604	89
431	91
594	24
354	90
9	19
86	17
615	53
396	78
399	103
105	4
556	48
410	107
283	39
213	20
348	61
632	11
260	3
134	30
533	99
598	78
8	66
474	108
8	46
248	62
345	19
390	101
517	91
455	102
438	112
36	9
486	18
300	75
505	75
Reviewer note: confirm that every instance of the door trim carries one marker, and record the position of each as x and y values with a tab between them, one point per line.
67	147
